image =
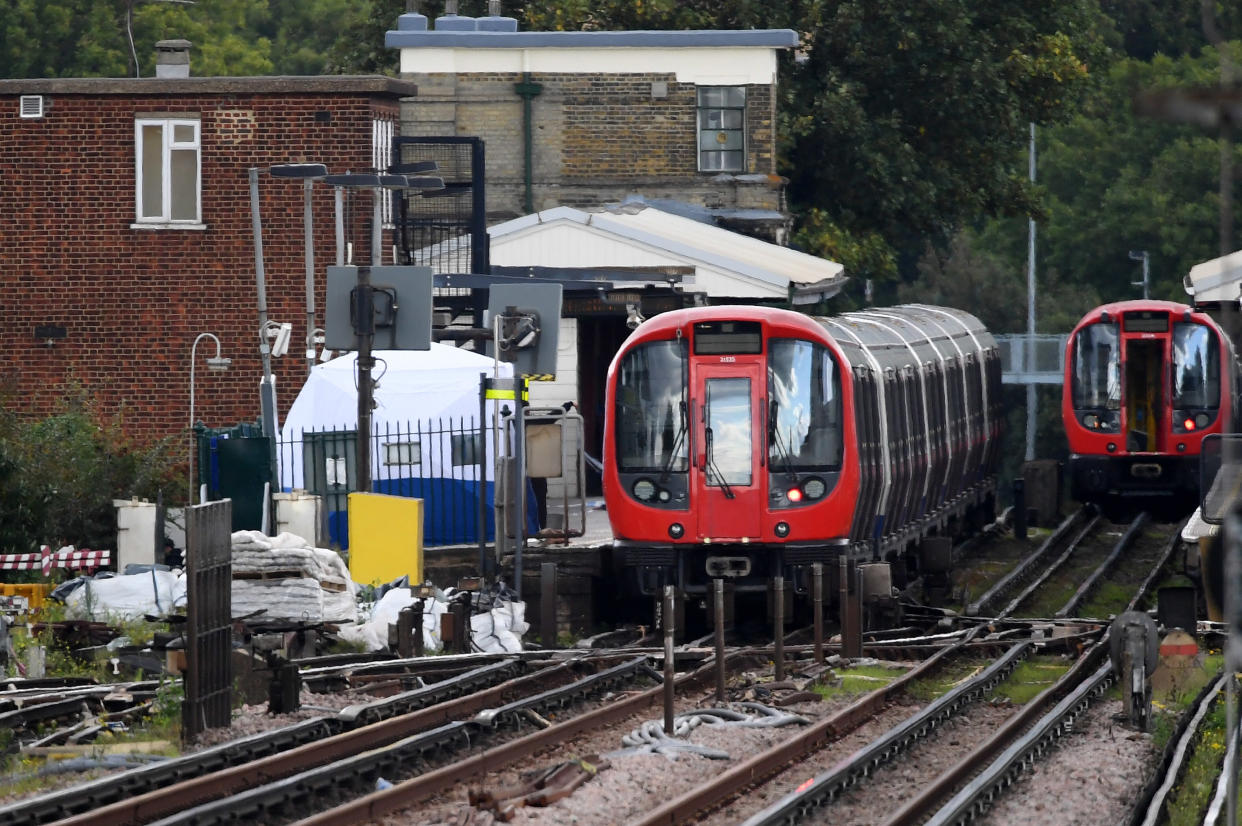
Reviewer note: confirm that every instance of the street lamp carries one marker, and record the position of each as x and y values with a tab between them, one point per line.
216	364
1141	255
308	173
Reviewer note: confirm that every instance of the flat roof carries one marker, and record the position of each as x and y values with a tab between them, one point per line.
765	38
259	85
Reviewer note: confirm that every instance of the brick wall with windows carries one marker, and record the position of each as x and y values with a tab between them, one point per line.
597	138
130	297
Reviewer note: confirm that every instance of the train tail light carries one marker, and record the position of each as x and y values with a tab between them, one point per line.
1189	424
794	494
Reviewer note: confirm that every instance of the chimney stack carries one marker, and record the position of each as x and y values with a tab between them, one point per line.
172	58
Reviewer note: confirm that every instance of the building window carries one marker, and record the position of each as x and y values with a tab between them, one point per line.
722	123
169	171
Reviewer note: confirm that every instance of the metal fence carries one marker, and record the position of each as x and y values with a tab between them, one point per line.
209	619
1032	359
445	229
442	461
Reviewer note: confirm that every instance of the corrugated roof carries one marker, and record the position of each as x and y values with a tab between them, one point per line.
684	240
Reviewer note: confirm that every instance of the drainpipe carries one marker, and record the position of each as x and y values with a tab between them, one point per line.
528	91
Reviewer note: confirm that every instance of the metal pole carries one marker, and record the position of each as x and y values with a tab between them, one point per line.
365	326
481	498
670	672
193	441
1146	272
377	231
307	185
340	225
1031	398
267	388
817	580
778	607
519	471
547	604
718	595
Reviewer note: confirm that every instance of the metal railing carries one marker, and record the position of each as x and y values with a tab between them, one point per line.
442	461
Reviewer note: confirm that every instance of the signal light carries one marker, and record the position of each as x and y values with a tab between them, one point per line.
794	495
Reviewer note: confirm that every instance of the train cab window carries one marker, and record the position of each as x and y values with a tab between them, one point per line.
1196	376
1096	364
804	415
652	418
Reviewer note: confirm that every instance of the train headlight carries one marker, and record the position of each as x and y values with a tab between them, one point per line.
1203	420
644	490
814	488
782	529
1092	421
1112	447
676	530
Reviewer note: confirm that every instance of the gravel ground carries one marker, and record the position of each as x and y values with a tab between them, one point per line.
1091	777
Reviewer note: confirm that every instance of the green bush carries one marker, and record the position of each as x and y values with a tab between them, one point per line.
59	475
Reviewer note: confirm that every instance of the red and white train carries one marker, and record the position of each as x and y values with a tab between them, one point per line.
749	442
1145	382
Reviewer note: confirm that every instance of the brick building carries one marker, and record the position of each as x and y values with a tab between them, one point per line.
129	232
582	119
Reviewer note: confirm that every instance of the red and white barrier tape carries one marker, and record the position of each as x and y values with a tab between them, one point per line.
47	559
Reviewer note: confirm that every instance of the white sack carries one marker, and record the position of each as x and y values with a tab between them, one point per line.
127	597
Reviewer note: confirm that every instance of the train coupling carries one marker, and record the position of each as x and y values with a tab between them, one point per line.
728	566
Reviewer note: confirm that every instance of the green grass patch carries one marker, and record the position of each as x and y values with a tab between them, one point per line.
855	681
1031	678
1110	599
945	680
1192	793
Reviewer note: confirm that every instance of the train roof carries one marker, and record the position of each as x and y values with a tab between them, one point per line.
1118	308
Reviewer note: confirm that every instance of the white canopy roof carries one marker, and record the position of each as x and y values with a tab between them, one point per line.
726	264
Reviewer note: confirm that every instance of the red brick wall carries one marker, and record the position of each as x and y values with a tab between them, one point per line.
132	301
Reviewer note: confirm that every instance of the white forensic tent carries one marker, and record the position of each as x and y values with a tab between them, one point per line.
426	416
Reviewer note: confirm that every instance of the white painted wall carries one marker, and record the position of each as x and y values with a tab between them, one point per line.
707	66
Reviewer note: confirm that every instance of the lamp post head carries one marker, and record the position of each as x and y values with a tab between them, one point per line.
311	171
218	364
1138	255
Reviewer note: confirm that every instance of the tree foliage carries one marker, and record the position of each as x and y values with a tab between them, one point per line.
59	475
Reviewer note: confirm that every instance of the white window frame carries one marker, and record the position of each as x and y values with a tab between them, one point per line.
167	130
701	130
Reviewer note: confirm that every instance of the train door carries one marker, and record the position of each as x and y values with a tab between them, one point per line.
728	450
1144	395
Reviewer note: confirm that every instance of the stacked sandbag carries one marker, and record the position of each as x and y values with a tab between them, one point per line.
285	577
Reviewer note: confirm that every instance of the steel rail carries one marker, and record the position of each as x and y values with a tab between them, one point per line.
109	796
1017	751
1023	568
409	792
1152	803
372	752
765	764
1053	567
824	788
1088	585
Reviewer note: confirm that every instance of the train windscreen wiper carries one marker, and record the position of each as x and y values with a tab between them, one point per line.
677	440
774	437
711	464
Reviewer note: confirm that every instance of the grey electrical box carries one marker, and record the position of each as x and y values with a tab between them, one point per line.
400	302
525	309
